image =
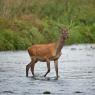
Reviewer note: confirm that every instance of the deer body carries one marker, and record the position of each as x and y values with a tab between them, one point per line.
46	53
43	52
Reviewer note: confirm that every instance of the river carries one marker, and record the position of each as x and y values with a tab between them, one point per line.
76	70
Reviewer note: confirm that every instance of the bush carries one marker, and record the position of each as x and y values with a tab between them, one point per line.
27	22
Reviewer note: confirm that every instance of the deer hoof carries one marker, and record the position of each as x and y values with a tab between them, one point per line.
57	77
26	75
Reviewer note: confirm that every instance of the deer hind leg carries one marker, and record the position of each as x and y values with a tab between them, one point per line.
33	65
56	68
48	68
27	68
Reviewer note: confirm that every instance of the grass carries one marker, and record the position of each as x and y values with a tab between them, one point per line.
24	23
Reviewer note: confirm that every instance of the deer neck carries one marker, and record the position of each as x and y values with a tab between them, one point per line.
60	45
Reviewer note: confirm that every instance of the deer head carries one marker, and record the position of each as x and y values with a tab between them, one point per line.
64	32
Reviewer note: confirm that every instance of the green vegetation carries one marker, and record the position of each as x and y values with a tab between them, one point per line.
27	22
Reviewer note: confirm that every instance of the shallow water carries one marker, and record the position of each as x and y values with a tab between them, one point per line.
76	69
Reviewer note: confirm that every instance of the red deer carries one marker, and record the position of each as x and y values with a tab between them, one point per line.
47	53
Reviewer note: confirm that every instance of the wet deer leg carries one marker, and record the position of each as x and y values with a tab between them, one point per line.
56	68
31	64
48	68
27	68
32	67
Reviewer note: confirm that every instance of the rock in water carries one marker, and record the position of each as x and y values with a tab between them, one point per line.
78	92
47	92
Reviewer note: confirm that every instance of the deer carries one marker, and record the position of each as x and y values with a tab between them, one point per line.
46	53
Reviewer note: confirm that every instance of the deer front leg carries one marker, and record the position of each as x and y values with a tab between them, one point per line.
48	68
27	68
56	68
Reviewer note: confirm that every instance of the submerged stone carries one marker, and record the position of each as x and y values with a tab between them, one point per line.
47	92
78	92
